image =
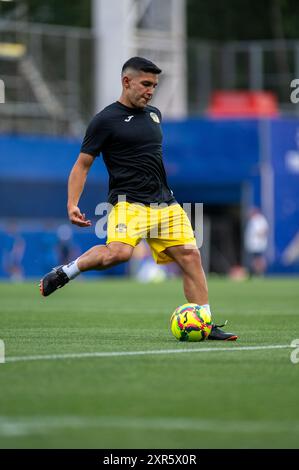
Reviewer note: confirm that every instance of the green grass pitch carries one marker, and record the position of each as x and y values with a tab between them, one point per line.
247	398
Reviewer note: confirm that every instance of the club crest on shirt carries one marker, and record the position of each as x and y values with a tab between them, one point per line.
155	117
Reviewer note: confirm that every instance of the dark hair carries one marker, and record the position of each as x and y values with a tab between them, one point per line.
140	64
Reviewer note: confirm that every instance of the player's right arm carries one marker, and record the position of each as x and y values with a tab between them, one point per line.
98	131
76	185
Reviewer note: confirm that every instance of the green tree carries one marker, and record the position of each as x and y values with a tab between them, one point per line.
66	12
243	19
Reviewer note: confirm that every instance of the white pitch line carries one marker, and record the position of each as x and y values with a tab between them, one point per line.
22	426
55	357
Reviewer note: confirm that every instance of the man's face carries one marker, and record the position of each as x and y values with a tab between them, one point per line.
139	87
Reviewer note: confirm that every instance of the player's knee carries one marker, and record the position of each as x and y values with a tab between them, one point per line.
190	256
119	254
123	255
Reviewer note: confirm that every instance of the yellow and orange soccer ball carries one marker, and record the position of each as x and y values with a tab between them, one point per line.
191	322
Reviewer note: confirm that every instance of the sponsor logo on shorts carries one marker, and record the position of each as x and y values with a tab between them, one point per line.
121	228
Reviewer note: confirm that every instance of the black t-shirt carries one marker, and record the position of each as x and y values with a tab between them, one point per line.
130	140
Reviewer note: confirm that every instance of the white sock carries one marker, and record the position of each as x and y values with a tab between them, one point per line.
71	269
207	307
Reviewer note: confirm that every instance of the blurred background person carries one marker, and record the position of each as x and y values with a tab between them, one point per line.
48	245
143	267
66	248
256	241
56	244
13	252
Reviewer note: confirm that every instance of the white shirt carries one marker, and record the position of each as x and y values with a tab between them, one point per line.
256	234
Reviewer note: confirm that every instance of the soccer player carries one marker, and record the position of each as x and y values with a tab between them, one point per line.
256	241
128	134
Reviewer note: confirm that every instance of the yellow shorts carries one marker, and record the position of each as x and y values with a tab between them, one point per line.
162	226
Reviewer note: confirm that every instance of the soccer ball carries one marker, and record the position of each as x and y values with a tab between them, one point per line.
191	322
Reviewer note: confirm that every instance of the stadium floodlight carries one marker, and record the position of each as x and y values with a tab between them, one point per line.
147	28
